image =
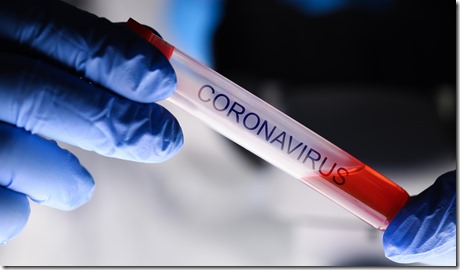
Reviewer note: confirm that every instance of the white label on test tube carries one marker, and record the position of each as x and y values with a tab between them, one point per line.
265	131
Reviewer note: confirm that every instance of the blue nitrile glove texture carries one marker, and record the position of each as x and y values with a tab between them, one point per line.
71	76
424	230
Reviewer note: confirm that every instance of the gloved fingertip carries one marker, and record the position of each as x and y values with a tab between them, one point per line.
139	71
147	79
146	133
157	150
83	190
73	186
14	214
41	170
166	138
78	191
149	75
173	140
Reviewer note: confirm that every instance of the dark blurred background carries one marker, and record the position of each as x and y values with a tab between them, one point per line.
377	78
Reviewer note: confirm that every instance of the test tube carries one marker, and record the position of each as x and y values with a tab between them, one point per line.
275	137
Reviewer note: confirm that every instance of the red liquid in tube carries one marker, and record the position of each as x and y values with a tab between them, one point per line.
363	190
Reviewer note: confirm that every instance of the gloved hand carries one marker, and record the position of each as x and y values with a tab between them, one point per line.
424	230
68	75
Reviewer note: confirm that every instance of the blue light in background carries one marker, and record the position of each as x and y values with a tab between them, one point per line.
194	23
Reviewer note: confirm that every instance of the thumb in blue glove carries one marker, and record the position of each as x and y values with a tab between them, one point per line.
424	230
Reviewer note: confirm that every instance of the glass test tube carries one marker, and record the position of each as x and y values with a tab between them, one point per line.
265	131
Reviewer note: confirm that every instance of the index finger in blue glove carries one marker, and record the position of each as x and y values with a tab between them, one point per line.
105	53
425	228
45	100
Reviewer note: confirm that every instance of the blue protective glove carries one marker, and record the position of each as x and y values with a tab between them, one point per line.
68	75
424	230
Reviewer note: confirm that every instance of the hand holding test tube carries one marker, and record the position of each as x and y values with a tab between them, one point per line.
280	140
